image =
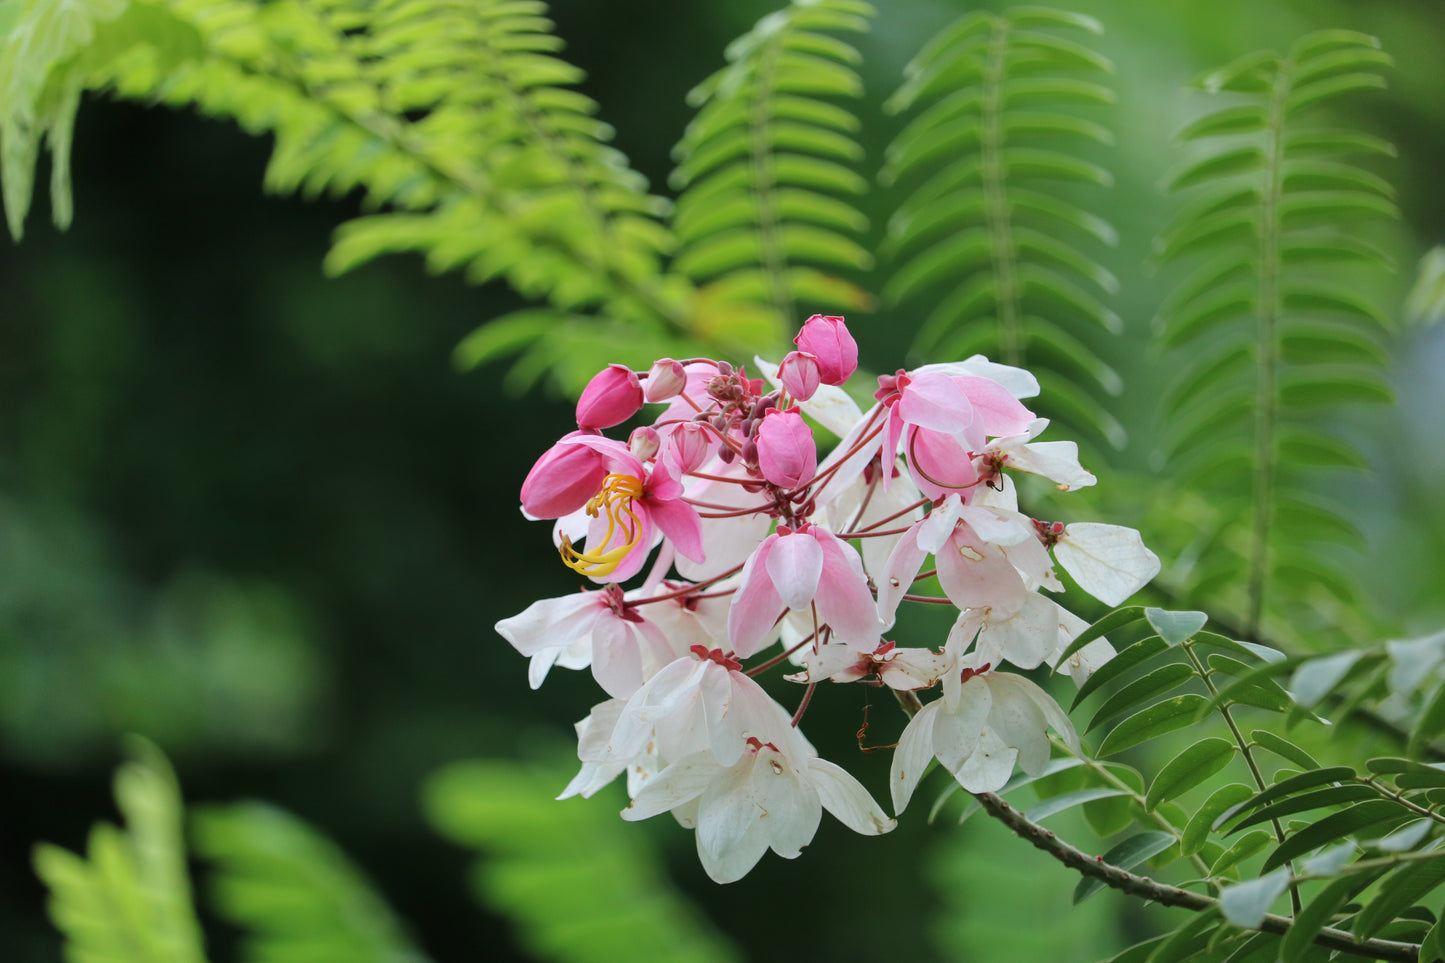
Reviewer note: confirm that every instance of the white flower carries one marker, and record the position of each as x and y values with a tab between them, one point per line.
1109	562
598	768
985	724
772	797
589	628
699	703
903	669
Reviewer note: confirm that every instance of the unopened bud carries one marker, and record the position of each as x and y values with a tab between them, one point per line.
610	398
644	443
826	338
665	379
800	375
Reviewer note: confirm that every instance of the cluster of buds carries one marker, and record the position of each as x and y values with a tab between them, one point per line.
756	546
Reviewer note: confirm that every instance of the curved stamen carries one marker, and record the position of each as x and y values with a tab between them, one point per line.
617	495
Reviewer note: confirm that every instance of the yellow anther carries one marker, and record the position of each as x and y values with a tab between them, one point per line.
615	498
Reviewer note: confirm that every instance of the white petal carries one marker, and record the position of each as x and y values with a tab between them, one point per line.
956	732
679	783
795	565
847	800
551	623
1058	461
990	766
1020	383
1109	562
734	862
911	758
1018	721
1025	638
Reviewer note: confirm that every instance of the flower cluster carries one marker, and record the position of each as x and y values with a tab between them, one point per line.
756	544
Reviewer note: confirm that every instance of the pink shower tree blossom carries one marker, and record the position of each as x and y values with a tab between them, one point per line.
754	553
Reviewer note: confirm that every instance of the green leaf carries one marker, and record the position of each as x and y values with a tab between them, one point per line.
1306	801
1315	916
1188	769
294	892
1229	163
1283	748
1126	855
1175	627
1147	688
1432	722
1239	119
1116	619
1401	889
1376	814
1310	94
1262	694
1128	658
1246	904
1294	784
1243	848
131	899
1167	716
576	882
1196	832
1057	804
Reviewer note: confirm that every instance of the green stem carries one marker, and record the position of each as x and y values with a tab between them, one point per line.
1267	361
996	210
764	188
1244	751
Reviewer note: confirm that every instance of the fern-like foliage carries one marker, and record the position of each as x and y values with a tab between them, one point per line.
298	897
580	888
452	114
1274	330
129	899
990	241
766	171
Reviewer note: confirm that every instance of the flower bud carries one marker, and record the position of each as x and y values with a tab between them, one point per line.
800	374
827	339
562	480
612	396
787	454
687	446
665	380
644	442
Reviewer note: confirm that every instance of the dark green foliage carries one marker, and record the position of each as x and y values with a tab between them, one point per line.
297	896
1274	221
582	884
988	239
767	218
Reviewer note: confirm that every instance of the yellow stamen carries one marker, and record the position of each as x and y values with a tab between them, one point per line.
616	497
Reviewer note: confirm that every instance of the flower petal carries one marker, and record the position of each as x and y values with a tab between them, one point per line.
1109	562
847	800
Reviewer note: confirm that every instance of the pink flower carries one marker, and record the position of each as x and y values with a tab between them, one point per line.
796	569
568	474
787	454
624	501
827	339
800	374
612	396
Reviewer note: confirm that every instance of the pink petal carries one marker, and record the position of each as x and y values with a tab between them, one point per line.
843	598
795	564
756	605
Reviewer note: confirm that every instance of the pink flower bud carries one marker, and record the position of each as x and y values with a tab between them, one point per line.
687	446
667	379
643	443
562	480
610	398
800	374
827	339
787	454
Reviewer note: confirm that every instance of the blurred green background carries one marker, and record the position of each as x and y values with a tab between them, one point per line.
257	516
